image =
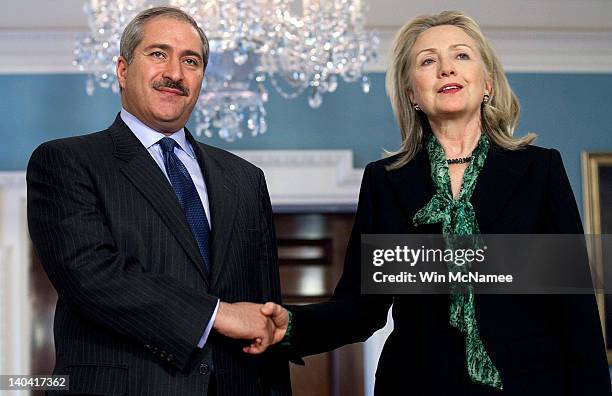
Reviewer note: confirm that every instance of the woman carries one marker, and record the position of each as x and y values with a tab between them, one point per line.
461	171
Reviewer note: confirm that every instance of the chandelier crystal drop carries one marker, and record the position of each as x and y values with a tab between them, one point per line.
297	51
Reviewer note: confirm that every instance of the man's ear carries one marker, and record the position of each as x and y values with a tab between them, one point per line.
122	67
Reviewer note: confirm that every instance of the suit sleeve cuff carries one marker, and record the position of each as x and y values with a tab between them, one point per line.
286	341
209	327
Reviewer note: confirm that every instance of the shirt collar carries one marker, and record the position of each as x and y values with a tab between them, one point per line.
149	137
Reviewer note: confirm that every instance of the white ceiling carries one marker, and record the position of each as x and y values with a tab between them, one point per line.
37	36
491	14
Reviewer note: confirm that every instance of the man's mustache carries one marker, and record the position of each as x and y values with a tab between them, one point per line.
167	83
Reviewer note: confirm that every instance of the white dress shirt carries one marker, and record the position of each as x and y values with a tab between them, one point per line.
149	139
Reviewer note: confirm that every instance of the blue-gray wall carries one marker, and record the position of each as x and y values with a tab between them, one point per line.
570	112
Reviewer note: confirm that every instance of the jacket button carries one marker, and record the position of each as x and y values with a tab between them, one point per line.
170	358
204	369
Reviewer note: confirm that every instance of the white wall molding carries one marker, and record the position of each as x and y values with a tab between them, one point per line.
12	180
308	177
15	309
521	50
37	51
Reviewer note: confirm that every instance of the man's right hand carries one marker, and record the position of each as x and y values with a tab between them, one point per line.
248	321
279	319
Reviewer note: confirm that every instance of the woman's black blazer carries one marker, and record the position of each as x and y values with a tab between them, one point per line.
541	344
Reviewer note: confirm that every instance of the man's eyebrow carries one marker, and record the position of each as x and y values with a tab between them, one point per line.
167	47
191	53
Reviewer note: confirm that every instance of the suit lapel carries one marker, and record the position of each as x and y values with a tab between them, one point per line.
222	198
497	181
413	188
142	171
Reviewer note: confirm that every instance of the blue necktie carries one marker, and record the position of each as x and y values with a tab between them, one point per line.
188	198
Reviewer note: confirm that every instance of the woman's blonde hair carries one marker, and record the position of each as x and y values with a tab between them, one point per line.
499	116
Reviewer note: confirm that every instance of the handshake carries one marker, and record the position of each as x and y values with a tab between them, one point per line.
263	325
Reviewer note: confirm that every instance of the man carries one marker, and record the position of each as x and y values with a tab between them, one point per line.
150	237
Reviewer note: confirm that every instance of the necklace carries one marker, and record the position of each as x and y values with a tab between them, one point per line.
463	160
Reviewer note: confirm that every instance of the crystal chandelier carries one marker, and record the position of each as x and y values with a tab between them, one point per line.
251	41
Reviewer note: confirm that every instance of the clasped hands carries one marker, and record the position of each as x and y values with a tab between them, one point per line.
262	324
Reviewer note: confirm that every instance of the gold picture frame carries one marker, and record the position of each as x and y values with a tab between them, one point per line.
597	198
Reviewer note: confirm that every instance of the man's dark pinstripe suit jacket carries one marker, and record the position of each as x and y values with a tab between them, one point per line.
133	298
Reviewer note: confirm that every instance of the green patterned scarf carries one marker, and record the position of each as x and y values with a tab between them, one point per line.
458	218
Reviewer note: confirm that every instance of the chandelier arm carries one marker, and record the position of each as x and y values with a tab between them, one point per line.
285	94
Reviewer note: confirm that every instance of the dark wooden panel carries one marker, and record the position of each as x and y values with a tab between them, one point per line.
311	258
308	381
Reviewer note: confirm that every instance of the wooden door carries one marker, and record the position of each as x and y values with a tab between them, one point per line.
311	249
